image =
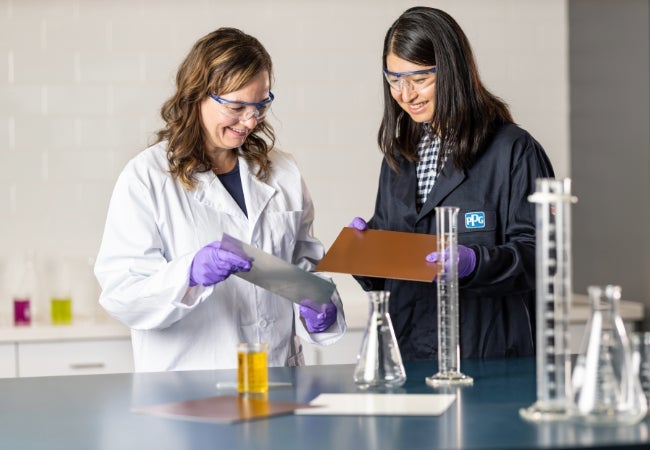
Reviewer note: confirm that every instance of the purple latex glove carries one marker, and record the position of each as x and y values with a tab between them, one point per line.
212	265
466	260
318	317
358	223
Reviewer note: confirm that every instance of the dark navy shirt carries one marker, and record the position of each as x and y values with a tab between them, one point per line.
232	182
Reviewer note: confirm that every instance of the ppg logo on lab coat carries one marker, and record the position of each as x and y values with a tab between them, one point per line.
475	219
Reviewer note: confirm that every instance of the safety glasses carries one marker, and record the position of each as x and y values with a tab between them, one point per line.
416	80
244	111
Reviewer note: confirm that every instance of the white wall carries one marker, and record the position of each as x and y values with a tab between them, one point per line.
82	81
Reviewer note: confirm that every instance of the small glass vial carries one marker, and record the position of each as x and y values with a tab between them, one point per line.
605	382
61	312
24	300
61	309
22	311
252	368
379	362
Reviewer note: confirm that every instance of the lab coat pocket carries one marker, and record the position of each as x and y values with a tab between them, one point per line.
297	357
283	227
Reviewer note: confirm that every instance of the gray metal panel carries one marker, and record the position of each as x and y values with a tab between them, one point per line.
279	276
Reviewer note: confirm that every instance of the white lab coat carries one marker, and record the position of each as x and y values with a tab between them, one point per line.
153	230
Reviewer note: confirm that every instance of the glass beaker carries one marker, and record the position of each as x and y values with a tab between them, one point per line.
25	294
606	386
379	363
61	308
448	310
252	368
553	201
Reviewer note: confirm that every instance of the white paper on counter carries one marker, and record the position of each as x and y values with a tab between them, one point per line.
380	404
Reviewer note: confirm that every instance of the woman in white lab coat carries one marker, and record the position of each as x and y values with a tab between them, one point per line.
213	170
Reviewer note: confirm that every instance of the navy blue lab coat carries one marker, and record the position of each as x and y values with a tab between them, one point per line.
497	302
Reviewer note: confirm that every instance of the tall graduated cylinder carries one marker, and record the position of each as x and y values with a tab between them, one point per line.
553	289
448	308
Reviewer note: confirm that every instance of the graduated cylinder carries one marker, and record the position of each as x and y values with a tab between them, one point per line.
448	311
553	284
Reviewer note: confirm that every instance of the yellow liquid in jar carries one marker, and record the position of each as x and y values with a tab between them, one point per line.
61	311
252	372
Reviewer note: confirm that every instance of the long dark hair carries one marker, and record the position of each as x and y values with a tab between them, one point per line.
466	114
220	62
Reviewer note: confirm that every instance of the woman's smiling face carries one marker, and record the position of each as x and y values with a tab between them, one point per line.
223	132
419	104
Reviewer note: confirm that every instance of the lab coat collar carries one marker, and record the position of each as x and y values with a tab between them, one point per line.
256	192
446	182
404	186
212	193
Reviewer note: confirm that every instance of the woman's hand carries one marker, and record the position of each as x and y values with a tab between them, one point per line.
212	265
318	317
358	224
466	260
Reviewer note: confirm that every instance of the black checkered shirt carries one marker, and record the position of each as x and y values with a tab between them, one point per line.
427	167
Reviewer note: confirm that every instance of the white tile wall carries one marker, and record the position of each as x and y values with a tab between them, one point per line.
82	81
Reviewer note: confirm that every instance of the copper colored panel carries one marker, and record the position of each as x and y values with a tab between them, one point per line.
383	254
227	409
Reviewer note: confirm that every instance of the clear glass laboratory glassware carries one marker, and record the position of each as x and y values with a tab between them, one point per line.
606	385
553	201
61	307
641	360
448	310
25	298
379	363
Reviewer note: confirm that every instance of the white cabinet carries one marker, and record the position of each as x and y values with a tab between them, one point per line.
77	349
7	360
74	357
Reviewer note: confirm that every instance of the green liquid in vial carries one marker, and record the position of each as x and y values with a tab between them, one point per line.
61	311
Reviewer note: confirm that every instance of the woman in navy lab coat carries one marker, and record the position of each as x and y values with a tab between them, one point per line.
447	141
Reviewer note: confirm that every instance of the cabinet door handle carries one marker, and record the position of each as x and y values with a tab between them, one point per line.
81	366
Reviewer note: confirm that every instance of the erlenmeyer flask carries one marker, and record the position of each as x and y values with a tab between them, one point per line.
606	387
379	363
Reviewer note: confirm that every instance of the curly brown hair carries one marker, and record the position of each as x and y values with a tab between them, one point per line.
223	61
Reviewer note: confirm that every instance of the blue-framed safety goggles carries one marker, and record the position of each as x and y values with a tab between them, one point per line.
243	111
413	80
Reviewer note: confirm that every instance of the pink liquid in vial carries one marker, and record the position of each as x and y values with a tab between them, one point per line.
22	312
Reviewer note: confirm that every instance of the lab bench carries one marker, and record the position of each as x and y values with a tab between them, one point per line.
96	411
